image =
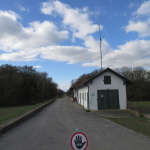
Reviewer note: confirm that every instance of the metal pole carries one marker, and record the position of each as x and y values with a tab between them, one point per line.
100	43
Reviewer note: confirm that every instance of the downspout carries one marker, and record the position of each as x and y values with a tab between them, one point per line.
88	97
77	95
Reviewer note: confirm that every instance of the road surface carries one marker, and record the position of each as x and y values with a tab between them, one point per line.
52	128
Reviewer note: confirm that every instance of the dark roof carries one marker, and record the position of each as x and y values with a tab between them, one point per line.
86	80
128	82
79	83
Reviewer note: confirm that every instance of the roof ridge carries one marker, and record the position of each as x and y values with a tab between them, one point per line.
79	83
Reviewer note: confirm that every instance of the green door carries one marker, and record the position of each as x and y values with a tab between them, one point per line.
113	99
108	99
102	99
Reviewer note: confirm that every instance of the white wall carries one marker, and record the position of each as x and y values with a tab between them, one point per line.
98	84
83	100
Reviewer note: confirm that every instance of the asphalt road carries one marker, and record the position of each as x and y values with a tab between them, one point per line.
52	128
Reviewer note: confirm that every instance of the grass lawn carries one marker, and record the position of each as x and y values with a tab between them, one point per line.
145	104
139	125
8	113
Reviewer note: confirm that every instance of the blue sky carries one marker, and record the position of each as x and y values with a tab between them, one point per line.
62	37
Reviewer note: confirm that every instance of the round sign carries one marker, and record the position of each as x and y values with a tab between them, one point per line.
79	141
101	95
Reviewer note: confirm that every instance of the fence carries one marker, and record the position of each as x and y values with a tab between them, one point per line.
142	107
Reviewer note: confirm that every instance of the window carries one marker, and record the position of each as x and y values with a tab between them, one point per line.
83	96
107	79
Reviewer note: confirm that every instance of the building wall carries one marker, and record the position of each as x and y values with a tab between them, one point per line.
75	93
98	84
83	99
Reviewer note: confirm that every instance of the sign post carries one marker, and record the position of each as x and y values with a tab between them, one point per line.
79	141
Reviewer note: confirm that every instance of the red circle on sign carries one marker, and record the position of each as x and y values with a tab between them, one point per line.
83	135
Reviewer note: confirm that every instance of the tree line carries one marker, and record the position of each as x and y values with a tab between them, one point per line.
139	91
23	85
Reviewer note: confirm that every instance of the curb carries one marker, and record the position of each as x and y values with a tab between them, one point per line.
146	116
14	122
135	113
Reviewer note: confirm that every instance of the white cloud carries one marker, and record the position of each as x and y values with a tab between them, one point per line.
131	5
37	66
23	9
9	25
78	22
24	44
94	46
71	54
85	9
14	16
47	8
142	28
144	9
15	37
75	54
77	19
19	56
133	53
43	39
64	86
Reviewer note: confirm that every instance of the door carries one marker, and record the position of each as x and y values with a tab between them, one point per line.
108	99
83	98
87	100
80	98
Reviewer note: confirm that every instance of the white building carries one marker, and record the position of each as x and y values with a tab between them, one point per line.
106	90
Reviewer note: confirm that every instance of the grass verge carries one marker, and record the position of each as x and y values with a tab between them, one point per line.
139	125
8	113
145	104
87	110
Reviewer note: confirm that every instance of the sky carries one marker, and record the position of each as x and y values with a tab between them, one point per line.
62	37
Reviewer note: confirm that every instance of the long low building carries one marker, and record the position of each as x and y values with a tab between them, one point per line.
106	90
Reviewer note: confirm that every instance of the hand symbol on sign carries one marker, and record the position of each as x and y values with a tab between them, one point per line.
78	142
